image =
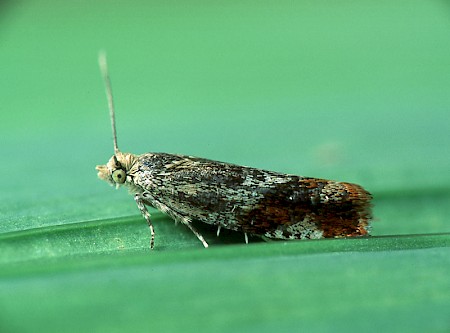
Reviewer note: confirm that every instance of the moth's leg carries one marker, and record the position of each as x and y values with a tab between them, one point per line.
245	234
173	214
146	215
218	230
187	221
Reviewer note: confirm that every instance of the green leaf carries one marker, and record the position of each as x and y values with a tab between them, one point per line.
355	92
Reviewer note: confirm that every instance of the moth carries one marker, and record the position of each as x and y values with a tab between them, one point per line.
253	201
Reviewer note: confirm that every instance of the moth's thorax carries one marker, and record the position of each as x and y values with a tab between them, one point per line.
120	169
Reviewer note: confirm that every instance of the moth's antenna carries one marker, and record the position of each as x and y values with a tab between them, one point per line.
107	81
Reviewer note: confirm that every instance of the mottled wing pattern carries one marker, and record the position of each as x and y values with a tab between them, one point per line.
255	201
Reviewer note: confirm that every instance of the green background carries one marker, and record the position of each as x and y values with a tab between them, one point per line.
356	91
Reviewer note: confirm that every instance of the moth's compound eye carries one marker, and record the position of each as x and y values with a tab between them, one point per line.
119	176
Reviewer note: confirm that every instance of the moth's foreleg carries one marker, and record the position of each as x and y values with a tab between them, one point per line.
147	197
146	215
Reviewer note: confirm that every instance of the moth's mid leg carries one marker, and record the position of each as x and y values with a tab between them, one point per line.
188	223
147	197
146	215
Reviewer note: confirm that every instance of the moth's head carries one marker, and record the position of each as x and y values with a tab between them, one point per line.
119	170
